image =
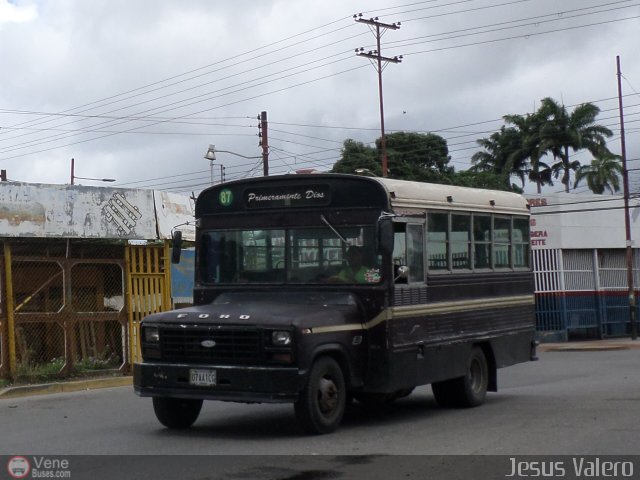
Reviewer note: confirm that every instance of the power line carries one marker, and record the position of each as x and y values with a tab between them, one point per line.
192	114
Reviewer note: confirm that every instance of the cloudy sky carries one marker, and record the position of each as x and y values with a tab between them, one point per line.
136	90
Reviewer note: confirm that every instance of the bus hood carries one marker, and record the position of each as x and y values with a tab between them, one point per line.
300	309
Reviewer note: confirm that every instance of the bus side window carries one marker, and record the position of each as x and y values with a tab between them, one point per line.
399	249
482	241
408	250
460	241
415	253
438	241
521	242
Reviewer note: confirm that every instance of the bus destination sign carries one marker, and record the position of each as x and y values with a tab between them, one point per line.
290	196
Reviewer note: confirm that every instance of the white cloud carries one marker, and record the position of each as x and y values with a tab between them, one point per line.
252	55
12	12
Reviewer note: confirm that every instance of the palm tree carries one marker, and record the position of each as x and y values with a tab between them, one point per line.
576	130
603	173
530	147
497	155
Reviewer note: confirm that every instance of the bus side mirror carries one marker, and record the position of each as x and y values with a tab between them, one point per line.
385	236
176	249
402	272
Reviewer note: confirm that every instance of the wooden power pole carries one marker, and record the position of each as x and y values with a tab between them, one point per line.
379	62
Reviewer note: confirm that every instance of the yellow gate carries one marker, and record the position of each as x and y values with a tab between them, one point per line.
148	287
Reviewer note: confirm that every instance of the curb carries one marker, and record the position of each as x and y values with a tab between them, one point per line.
586	348
64	387
589	346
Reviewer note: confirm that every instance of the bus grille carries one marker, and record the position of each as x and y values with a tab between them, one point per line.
231	345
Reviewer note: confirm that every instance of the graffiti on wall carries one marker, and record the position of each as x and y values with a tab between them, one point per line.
122	213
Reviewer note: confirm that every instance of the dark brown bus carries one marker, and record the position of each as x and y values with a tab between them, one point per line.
324	289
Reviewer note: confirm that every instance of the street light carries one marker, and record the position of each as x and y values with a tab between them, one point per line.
73	176
211	156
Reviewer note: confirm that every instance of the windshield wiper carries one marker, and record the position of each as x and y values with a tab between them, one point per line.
326	222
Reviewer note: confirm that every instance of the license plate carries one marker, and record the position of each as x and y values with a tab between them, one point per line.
202	378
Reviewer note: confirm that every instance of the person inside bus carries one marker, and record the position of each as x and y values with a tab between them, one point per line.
356	271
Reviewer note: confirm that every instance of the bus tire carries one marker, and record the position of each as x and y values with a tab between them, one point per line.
469	390
176	413
321	404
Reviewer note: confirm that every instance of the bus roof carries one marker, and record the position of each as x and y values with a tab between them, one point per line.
402	196
406	194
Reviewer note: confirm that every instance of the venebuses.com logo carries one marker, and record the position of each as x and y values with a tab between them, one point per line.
18	467
38	467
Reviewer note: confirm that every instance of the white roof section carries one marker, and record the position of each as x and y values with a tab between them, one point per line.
174	211
76	211
406	195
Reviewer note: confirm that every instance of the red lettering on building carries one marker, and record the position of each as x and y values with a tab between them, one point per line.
538	202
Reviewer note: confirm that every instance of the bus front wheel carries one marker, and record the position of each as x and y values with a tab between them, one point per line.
322	402
469	390
176	413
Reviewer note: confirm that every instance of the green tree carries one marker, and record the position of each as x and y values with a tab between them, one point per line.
577	130
410	156
477	179
418	156
499	158
603	173
529	147
357	155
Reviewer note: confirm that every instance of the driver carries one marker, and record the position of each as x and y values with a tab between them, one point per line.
355	271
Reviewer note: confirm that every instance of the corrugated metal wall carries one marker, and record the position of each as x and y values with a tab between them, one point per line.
582	292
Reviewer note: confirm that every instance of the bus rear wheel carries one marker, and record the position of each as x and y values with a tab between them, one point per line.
469	390
176	413
322	402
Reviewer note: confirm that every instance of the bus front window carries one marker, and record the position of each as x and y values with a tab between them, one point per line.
243	256
298	256
319	255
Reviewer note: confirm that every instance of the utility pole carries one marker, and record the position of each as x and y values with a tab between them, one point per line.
379	29
627	222
264	142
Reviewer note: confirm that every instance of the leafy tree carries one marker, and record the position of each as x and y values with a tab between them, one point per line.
410	156
576	131
603	173
358	155
418	156
479	179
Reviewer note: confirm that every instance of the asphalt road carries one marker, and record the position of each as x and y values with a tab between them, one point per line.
568	403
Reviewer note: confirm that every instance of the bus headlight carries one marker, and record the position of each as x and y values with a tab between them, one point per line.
151	334
280	338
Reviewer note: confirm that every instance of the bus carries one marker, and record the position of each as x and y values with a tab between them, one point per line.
324	289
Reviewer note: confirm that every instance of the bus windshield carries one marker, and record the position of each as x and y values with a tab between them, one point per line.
345	254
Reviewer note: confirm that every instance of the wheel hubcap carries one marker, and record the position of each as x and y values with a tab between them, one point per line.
327	396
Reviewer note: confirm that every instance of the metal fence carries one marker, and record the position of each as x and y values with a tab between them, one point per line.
583	292
67	307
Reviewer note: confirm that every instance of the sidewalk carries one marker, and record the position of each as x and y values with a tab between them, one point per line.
64	386
591	345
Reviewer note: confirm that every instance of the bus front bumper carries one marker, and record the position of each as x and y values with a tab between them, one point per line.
247	384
